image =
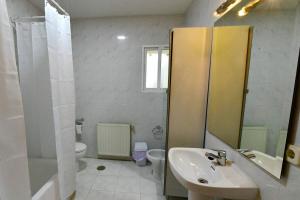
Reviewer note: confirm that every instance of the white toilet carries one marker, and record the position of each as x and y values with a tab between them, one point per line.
80	151
157	158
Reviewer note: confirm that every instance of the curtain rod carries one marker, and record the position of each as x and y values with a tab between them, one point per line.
28	18
20	19
58	6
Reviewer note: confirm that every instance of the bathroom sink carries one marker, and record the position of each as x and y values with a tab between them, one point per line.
206	180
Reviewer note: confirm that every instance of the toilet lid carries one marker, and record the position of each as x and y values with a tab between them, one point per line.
79	147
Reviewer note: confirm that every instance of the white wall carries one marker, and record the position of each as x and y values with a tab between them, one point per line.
108	74
270	188
200	13
22	8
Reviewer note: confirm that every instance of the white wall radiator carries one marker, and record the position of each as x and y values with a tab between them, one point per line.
113	140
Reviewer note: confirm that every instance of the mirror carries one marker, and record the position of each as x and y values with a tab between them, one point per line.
251	89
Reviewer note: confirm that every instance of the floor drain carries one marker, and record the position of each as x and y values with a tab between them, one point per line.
210	158
100	168
203	181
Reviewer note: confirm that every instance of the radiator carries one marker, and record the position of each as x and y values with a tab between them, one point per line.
113	140
254	138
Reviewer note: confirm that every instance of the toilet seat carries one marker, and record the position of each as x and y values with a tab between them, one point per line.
80	147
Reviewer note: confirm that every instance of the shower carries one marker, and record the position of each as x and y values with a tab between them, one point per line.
45	69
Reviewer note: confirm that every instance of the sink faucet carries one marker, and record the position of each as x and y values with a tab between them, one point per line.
221	157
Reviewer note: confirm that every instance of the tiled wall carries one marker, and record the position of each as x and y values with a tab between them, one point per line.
108	74
270	188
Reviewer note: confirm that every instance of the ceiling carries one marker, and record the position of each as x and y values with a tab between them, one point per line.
112	8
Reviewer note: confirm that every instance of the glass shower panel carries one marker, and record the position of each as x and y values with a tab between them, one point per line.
164	68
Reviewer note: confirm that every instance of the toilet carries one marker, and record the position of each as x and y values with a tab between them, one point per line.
80	151
157	158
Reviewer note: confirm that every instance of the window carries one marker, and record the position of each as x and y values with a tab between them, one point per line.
155	68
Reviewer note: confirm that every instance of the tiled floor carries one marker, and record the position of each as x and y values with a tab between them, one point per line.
121	180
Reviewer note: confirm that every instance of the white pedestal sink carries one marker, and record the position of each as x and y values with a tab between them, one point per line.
204	180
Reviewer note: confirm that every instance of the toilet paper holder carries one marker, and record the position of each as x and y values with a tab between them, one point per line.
79	121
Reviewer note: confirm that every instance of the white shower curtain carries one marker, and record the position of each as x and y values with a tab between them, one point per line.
62	81
14	177
36	88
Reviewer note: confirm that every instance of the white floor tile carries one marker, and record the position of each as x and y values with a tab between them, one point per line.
150	186
86	180
100	195
89	161
111	168
128	185
152	197
146	172
126	196
90	170
106	183
81	192
129	169
121	180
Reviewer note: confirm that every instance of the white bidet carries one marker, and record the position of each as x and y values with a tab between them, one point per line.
157	158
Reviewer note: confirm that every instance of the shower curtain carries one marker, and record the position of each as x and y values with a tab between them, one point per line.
36	88
14	177
62	81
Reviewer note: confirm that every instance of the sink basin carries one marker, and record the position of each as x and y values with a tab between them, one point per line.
204	180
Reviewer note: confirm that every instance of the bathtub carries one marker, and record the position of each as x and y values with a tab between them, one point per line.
43	179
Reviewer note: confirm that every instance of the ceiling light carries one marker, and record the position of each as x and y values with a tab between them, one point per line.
121	37
247	8
225	7
242	13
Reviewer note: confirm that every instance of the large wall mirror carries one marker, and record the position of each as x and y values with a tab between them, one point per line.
252	79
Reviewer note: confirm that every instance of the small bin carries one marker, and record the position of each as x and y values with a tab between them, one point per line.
140	153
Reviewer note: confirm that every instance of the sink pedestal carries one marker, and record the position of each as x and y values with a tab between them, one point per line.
198	196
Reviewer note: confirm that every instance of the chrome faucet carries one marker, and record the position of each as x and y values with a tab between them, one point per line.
221	157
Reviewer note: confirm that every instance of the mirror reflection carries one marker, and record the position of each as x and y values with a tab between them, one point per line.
269	82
